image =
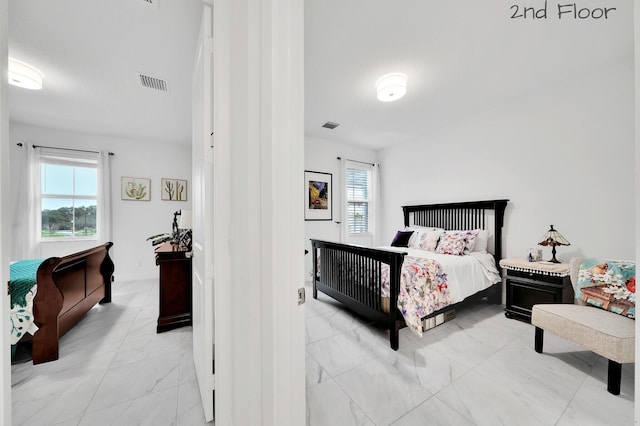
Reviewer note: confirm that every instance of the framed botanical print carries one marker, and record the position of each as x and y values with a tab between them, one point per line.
135	189
174	189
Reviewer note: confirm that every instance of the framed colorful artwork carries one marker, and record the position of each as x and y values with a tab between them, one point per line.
135	189
318	195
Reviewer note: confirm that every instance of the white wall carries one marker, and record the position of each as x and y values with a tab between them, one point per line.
563	155
321	155
133	221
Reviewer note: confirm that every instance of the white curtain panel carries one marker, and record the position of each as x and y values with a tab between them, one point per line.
105	216
19	168
26	216
342	202
376	208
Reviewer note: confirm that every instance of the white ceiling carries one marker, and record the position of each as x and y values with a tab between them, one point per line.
460	56
91	53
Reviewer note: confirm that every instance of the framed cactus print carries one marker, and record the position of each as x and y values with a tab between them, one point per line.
135	189
173	189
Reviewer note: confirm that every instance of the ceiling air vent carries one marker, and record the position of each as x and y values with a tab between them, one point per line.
330	125
154	83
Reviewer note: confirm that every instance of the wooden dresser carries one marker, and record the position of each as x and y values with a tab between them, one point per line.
175	287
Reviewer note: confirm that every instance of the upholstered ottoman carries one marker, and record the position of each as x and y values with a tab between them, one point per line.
609	335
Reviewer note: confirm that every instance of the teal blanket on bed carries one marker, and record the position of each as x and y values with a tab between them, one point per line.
23	276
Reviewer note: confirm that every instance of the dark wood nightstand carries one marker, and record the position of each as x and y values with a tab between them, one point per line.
530	283
175	287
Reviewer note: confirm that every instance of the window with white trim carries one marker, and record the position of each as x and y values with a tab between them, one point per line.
359	193
68	194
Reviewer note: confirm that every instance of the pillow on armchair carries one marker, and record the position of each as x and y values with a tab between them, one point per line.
608	284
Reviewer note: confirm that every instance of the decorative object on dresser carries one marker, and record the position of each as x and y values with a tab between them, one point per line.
174	264
602	317
534	255
65	289
374	283
181	229
158	239
553	238
528	283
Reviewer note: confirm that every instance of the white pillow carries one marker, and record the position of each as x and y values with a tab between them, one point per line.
417	231
429	240
481	242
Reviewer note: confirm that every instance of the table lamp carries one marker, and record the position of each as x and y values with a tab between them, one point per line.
553	238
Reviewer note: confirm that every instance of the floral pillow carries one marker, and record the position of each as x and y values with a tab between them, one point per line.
417	232
608	284
428	240
457	242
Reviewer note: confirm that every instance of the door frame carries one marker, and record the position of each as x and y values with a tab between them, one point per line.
5	358
203	191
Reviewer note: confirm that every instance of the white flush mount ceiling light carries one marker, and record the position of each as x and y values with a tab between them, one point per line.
391	87
24	75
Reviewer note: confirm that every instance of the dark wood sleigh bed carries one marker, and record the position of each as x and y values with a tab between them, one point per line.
339	270
68	287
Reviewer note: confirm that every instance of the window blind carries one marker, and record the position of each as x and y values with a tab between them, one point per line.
357	181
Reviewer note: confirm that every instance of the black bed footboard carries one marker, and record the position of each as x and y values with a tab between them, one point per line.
353	275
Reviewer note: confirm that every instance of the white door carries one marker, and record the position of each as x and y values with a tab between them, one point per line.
202	165
5	359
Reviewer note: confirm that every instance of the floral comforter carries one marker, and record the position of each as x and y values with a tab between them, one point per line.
423	290
430	281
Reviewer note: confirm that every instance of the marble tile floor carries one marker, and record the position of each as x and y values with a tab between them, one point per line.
113	370
478	369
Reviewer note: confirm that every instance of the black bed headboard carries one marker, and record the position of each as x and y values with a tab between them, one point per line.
463	216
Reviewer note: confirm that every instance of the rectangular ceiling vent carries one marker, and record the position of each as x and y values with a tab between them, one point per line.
153	82
330	125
